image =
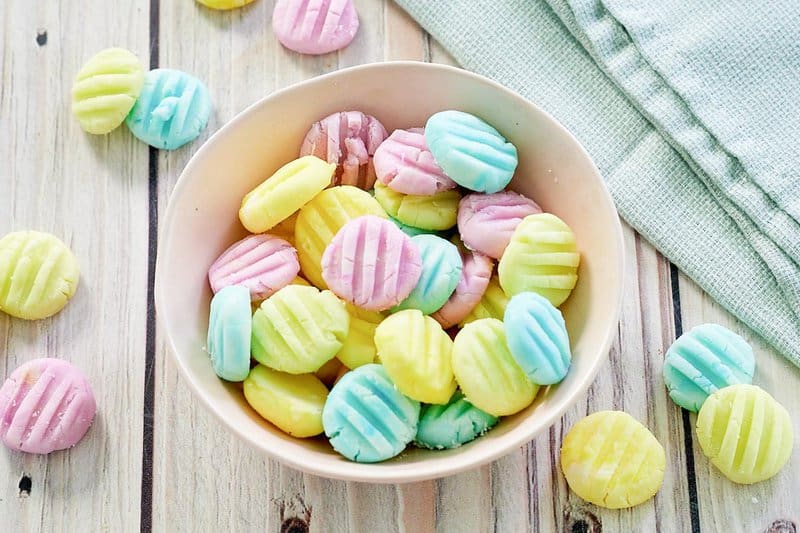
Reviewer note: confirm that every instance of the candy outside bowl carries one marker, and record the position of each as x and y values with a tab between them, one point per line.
201	221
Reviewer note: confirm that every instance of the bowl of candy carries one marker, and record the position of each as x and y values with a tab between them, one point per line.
393	272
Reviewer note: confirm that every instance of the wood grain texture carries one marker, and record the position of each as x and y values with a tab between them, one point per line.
92	193
746	507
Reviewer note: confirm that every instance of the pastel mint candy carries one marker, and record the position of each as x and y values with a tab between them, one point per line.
452	424
366	418
470	151
707	358
229	333
172	109
537	338
441	271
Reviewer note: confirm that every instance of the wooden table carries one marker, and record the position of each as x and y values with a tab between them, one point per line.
154	459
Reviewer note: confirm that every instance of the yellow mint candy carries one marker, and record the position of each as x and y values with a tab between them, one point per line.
542	257
291	402
322	218
359	346
105	90
416	353
745	433
224	4
486	371
436	212
298	329
300	281
610	459
492	305
38	274
285	228
283	193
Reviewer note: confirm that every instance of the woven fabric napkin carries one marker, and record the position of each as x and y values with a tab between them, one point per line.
691	110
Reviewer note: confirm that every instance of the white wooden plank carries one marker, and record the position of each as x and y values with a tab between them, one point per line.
631	382
92	193
204	478
326	505
723	504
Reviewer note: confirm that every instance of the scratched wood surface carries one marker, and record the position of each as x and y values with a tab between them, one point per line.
156	460
92	193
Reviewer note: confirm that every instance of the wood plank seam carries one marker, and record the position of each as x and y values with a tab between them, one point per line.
694	512
148	415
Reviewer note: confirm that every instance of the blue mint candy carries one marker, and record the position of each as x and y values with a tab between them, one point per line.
537	338
441	271
470	151
229	333
453	424
707	358
366	418
172	109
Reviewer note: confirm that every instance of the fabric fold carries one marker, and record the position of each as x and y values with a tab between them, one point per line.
696	188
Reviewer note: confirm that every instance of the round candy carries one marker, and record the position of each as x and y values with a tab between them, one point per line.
38	275
452	424
475	275
441	271
261	263
436	212
492	305
172	109
404	163
542	257
45	405
610	459
703	360
298	329
371	263
745	433
285	228
471	151
229	331
486	371
106	89
224	4
486	222
366	418
417	353
347	139
322	218
293	403
290	188
537	338
359	346
315	26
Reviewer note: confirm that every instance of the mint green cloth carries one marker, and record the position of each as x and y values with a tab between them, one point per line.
691	110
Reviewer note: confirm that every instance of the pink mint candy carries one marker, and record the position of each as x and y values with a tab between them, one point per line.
263	263
404	164
475	276
315	26
45	405
347	139
371	264
486	222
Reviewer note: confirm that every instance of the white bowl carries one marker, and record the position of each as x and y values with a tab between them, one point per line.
201	221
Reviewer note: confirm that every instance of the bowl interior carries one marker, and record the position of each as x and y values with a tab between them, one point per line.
201	221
